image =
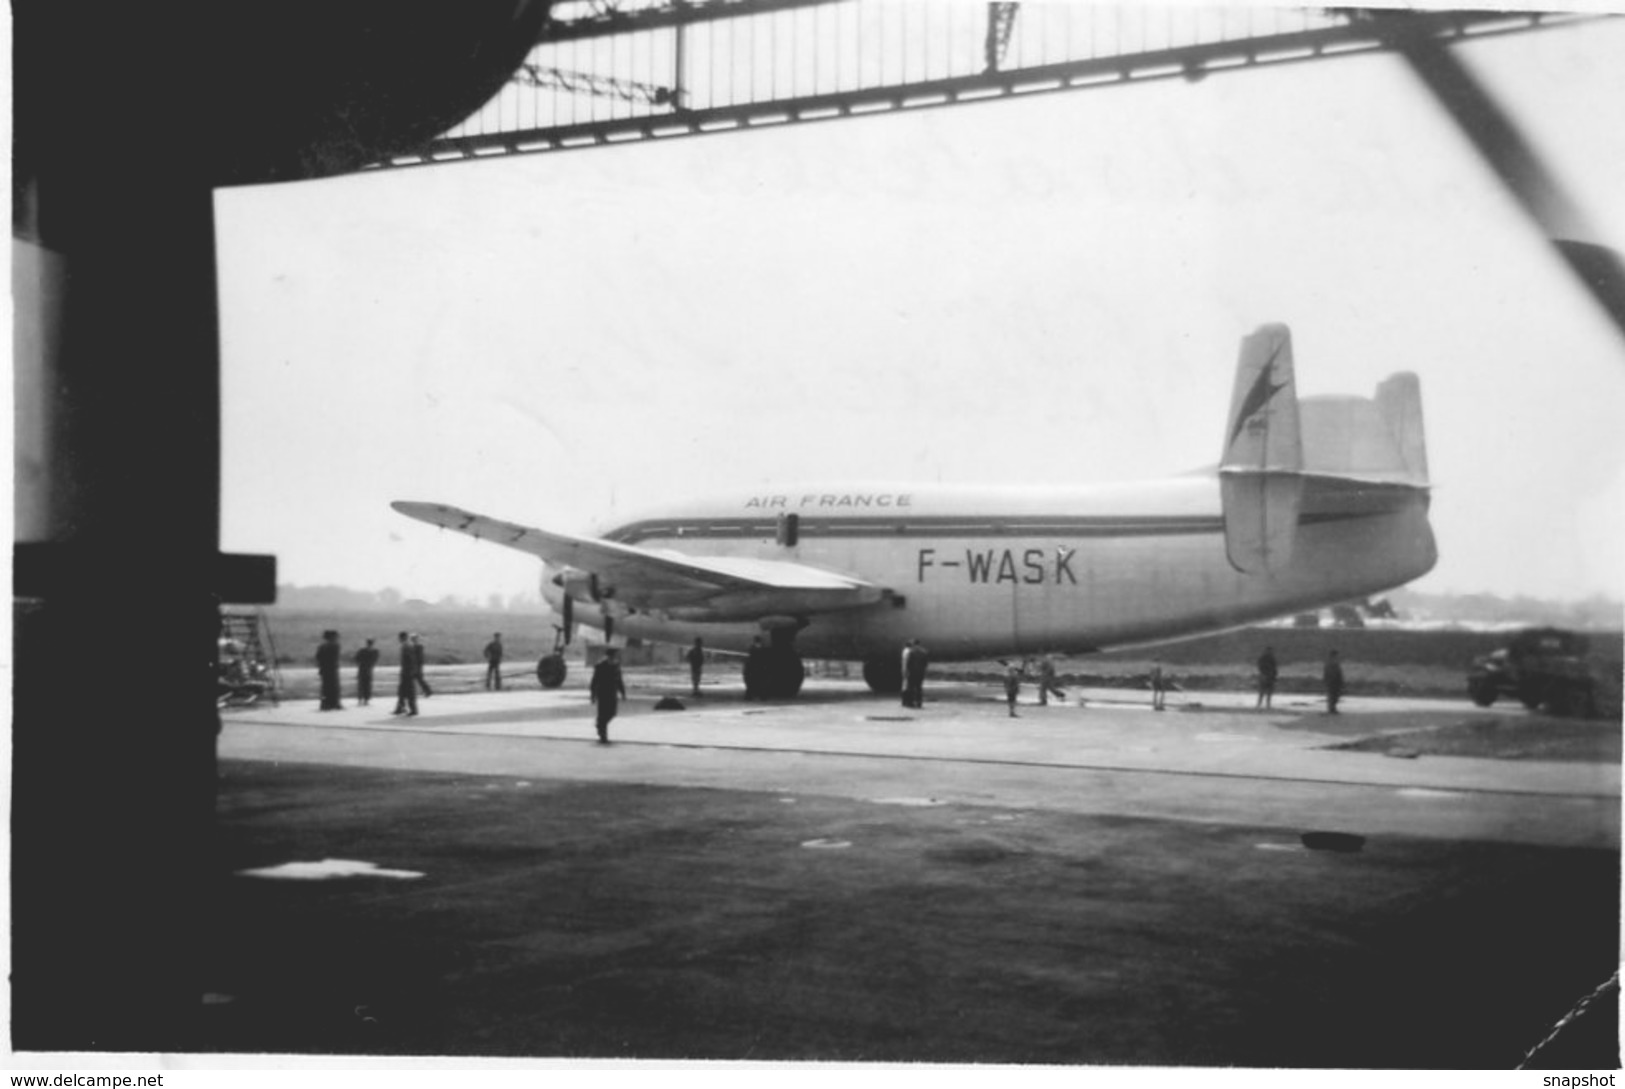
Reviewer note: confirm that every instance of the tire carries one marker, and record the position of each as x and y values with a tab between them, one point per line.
1481	691
551	670
1532	695
782	676
883	673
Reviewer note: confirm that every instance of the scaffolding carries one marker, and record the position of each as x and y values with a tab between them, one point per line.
247	665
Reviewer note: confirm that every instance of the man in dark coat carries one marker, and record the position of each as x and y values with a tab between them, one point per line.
327	667
493	662
1268	670
696	661
406	691
1333	676
417	665
607	688
755	668
1046	681
914	666
365	659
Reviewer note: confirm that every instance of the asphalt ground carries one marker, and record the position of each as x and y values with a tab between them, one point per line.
839	878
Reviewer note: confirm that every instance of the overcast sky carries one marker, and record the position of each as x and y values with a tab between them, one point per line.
1047	290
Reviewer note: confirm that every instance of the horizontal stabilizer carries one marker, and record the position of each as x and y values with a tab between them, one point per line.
1376	440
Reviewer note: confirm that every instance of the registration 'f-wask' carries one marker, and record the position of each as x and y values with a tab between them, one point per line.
1313	502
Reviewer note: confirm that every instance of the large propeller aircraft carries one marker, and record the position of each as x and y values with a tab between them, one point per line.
1313	502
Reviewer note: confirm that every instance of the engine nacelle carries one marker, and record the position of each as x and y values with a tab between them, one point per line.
579	585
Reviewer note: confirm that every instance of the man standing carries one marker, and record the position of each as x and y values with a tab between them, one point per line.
606	688
914	666
493	663
1159	685
417	665
1333	676
327	667
904	668
755	667
365	659
696	659
1267	672
406	690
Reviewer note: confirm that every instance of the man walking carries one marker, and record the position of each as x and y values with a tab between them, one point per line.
406	689
1012	685
493	663
365	660
417	665
1046	681
606	688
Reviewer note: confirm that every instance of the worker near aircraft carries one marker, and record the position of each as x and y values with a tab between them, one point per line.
696	661
1159	685
902	671
365	660
417	665
493	663
1012	685
1268	670
327	667
915	662
1046	681
755	667
606	689
1332	675
406	690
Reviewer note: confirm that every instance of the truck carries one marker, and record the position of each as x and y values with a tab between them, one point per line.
1543	668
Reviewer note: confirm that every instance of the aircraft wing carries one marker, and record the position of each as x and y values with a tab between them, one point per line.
702	587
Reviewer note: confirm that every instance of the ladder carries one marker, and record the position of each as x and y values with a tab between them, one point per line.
248	665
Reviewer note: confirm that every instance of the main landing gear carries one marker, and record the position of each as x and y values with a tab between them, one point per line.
551	669
775	672
883	673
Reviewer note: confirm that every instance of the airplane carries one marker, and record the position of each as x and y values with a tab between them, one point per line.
1313	502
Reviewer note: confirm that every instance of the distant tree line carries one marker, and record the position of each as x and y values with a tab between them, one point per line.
389	599
1594	612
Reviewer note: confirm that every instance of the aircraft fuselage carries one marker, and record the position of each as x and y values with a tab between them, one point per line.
982	572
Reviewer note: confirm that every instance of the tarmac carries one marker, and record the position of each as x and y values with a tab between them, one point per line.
840	878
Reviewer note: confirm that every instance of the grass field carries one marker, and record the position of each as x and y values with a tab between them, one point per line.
1377	661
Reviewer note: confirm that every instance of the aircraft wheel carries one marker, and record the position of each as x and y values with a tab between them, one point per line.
883	673
1482	693
551	670
785	675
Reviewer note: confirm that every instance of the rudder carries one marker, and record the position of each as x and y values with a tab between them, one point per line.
1260	474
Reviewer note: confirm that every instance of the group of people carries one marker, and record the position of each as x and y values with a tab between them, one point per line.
608	686
1269	670
328	656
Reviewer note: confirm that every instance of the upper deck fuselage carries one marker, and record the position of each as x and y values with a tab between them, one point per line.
979	571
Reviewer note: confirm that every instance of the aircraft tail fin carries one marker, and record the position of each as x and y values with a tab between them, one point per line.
1260	474
1334	452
